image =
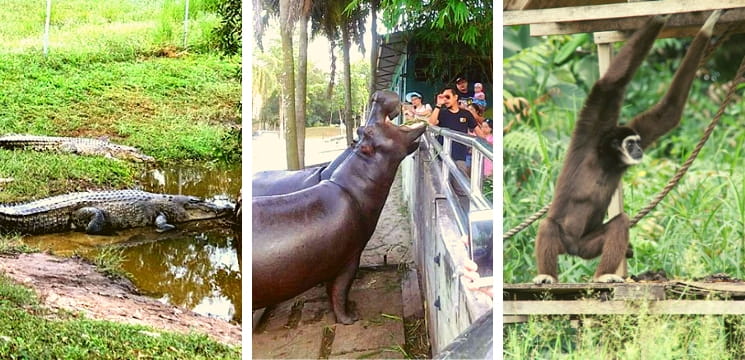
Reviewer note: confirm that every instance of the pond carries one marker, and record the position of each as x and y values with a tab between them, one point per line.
195	266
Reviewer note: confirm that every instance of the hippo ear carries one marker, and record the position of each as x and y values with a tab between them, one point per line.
367	149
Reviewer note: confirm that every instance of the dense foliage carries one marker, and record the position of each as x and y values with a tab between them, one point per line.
451	37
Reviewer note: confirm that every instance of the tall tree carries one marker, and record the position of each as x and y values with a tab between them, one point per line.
347	83
288	11
374	4
302	79
340	21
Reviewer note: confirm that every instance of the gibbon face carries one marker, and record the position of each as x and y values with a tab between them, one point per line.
631	150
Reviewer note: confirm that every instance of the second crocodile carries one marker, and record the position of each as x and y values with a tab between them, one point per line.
102	212
82	146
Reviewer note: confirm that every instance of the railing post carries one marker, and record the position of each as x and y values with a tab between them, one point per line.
447	144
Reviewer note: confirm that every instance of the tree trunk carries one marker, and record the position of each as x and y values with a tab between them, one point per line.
374	48
302	79
347	84
288	84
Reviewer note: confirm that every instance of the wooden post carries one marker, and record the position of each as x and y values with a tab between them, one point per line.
47	20
605	55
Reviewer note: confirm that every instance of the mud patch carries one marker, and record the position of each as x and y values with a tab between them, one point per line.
74	285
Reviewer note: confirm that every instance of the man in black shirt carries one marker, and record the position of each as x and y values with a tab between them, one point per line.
448	114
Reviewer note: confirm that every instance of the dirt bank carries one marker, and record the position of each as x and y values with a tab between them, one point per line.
73	284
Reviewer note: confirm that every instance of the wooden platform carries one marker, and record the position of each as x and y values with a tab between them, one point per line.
673	297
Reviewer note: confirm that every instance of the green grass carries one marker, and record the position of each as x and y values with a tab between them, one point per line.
109	260
81	26
39	174
627	337
170	108
30	332
12	244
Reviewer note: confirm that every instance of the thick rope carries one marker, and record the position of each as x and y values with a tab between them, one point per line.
526	223
679	174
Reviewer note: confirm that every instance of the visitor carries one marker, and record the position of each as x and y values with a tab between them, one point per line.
464	94
479	98
448	114
418	110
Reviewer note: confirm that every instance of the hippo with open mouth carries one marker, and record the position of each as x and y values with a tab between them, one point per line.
317	234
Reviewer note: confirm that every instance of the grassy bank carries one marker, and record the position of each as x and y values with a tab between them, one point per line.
116	70
28	331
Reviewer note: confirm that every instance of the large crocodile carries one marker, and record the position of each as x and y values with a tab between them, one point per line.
82	146
102	212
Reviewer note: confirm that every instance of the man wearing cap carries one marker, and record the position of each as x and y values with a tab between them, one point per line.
461	88
448	114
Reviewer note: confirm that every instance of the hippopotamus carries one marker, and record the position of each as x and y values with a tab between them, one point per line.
317	234
275	182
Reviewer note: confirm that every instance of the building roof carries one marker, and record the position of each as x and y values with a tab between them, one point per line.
391	48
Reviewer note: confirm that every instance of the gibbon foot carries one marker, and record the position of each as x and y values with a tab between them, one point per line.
544	279
608	278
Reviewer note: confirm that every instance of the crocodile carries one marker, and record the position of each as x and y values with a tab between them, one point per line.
81	146
102	212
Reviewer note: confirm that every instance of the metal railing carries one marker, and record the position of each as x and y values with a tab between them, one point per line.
480	149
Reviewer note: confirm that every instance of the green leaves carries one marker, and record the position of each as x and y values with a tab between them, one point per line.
570	47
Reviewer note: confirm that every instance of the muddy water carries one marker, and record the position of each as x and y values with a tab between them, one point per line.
195	266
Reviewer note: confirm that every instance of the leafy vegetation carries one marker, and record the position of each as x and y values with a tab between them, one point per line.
465	25
698	230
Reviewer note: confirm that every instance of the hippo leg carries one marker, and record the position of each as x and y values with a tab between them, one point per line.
338	292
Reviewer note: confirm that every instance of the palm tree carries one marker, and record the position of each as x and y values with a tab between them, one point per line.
302	78
341	23
288	12
265	67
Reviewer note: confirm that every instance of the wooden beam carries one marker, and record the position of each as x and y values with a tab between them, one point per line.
596	307
545	4
680	25
614	11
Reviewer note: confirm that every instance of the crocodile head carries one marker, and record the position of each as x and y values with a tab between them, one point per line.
198	209
129	153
